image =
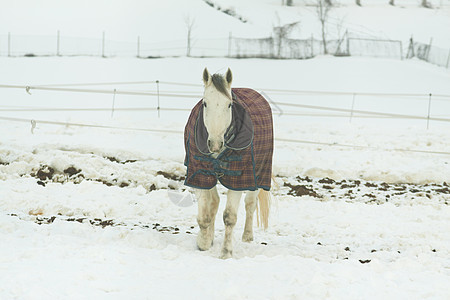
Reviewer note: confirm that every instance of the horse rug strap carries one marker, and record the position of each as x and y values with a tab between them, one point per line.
246	162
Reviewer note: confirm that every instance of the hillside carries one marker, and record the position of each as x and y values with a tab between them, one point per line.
158	21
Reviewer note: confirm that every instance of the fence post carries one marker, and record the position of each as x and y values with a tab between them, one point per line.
113	104
312	46
429	110
157	91
353	106
9	44
448	59
57	43
410	53
230	37
138	46
348	46
103	44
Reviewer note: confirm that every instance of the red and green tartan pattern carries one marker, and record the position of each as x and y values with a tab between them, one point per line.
247	169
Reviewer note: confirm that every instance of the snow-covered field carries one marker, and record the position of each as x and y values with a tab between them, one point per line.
87	212
87	193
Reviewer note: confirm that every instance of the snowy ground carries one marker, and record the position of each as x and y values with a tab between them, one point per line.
87	212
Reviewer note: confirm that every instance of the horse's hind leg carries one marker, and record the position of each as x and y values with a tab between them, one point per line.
230	219
208	203
250	207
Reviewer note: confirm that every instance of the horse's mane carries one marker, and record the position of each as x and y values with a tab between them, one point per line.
221	85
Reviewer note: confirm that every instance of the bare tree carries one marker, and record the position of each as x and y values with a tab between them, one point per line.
190	22
341	36
323	9
281	33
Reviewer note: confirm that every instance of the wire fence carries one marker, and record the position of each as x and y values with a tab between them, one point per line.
429	53
165	131
279	108
235	47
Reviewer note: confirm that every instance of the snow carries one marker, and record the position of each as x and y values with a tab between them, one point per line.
304	253
161	25
91	212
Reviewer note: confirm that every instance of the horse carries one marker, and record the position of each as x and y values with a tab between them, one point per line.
229	138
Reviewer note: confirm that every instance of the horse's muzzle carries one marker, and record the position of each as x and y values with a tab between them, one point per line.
215	146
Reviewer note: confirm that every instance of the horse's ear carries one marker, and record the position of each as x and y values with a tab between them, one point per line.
206	77
229	76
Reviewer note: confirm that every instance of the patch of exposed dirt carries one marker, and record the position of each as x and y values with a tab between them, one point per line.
46	174
301	190
326	180
116	160
171	176
72	171
42	220
371	192
366	191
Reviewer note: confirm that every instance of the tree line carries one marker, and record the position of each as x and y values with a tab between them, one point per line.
424	3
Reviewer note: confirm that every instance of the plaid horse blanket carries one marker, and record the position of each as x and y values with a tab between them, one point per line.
246	162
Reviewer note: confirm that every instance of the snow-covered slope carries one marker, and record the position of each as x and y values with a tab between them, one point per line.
158	21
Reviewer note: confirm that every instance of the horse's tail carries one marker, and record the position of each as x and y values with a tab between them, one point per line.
263	208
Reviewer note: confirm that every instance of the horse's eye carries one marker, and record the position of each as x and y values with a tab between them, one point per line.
204	104
229	105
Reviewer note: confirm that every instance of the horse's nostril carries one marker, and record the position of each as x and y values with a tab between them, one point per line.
214	146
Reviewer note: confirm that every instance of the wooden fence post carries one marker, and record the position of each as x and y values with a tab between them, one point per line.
113	103
103	44
138	47
348	46
230	37
429	111
157	89
448	59
57	43
9	44
353	106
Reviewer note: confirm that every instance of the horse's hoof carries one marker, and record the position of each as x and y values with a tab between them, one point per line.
247	238
226	254
203	245
204	248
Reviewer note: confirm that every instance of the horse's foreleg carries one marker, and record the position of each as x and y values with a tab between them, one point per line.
229	219
215	199
208	203
250	207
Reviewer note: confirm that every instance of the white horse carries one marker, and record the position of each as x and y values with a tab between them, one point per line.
217	115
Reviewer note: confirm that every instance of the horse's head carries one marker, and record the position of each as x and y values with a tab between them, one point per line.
217	105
